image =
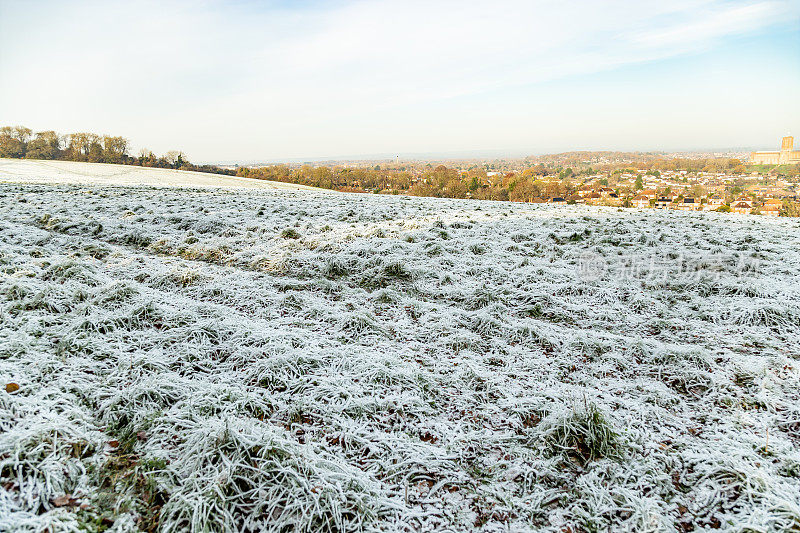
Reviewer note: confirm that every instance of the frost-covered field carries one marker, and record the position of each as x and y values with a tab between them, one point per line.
35	171
220	360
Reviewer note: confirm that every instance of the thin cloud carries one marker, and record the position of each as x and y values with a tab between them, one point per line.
714	24
311	77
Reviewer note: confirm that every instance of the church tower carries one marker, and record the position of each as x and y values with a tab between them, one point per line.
786	156
786	150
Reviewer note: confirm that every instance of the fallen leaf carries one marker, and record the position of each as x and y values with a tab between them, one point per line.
11	387
64	501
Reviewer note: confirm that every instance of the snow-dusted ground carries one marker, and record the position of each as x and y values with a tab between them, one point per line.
35	171
220	360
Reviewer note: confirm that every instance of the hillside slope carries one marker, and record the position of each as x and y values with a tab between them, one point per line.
36	171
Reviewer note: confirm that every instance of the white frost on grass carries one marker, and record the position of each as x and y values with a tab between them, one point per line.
73	172
223	360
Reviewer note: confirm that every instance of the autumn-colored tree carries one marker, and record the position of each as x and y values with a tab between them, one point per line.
147	158
790	209
22	134
698	191
95	154
13	140
115	149
554	189
81	145
46	145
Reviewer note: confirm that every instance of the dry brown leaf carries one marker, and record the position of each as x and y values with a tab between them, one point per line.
63	501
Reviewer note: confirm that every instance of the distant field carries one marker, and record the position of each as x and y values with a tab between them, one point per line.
280	360
35	171
766	168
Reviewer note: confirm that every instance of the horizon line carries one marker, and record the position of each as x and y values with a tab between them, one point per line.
463	155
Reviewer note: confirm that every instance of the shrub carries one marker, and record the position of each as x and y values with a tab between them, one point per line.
335	268
584	433
290	233
236	476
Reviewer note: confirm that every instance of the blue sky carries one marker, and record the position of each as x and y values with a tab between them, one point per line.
248	80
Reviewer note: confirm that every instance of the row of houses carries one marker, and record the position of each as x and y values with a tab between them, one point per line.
741	205
647	199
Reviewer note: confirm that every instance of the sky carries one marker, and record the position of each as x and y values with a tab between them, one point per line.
245	81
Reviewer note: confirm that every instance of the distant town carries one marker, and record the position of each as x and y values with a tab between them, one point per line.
757	192
744	183
755	183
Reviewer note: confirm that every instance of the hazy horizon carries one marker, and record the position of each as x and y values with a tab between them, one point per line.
456	155
319	80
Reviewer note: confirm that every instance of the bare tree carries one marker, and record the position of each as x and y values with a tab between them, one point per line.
172	156
22	134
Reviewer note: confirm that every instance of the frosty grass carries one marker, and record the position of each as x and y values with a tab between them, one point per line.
220	360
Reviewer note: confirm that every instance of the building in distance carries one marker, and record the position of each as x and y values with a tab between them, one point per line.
786	156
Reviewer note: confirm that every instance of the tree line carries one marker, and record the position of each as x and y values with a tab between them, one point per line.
439	181
22	143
